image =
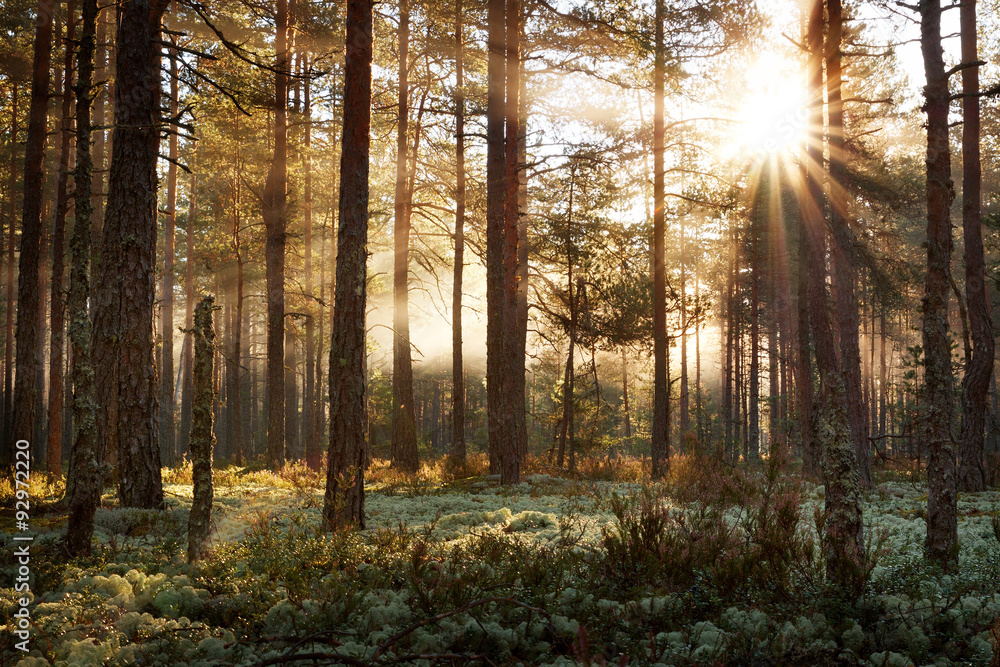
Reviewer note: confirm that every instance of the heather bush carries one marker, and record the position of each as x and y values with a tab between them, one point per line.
741	533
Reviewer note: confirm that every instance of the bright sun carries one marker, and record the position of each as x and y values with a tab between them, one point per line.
771	114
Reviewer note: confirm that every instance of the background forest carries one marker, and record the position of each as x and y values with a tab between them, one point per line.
688	275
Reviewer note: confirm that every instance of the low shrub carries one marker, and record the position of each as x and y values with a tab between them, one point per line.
741	532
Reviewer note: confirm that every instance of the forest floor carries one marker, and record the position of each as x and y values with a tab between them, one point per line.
716	565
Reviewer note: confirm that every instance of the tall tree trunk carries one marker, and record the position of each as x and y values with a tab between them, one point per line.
167	432
659	448
344	500
458	451
812	457
202	440
520	352
404	436
728	323
699	413
942	522
843	527
625	408
499	322
124	354
843	261
291	395
8	364
84	465
568	395
276	221
98	190
773	391
883	379
38	439
512	230
684	404
187	353
975	384
256	405
28	337
233	370
310	434
742	392
244	427
57	321
217	387
753	430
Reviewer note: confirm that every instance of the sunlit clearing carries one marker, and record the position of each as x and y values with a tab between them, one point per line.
771	110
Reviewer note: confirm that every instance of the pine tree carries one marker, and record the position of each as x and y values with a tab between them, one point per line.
345	489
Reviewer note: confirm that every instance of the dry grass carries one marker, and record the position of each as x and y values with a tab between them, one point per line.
434	473
41	487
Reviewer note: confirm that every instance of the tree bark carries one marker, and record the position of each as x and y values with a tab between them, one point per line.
753	431
625	407
458	447
98	190
659	447
234	399
202	439
167	431
124	354
512	227
843	261
843	527
568	396
291	395
812	457
310	435
84	465
683	407
976	383
28	336
521	341
187	353
57	319
275	222
404	436
942	500
344	500
8	364
499	262
774	396
883	388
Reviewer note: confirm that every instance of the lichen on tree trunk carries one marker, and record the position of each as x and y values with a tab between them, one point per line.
202	437
843	527
84	488
942	499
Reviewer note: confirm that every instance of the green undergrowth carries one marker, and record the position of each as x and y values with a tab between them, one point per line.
714	566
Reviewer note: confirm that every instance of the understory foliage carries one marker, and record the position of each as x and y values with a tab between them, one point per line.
740	534
717	565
